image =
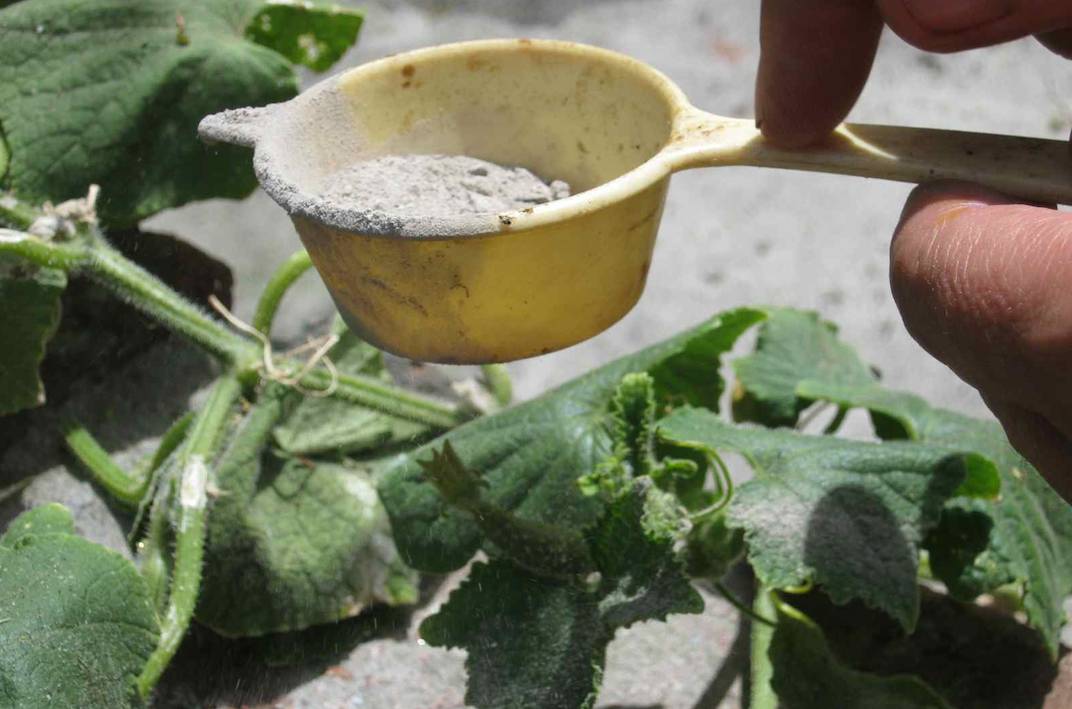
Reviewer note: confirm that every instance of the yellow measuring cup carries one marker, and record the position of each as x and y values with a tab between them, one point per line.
500	287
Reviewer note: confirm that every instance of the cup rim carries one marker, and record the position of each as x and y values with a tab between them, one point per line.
298	203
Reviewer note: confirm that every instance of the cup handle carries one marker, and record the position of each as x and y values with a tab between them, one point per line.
1031	168
238	126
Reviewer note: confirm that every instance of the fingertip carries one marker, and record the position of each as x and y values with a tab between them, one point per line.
979	280
814	60
1038	440
792	135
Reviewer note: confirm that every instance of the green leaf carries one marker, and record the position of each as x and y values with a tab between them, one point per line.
52	518
793	345
959	553
540	642
808	676
332	426
29	316
293	543
531	455
713	546
313	34
849	515
632	432
539	547
1030	539
111	92
532	642
76	623
640	576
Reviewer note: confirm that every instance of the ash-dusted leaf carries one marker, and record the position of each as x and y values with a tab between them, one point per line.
793	345
640	577
531	455
532	642
29	315
632	434
808	676
848	515
1030	540
111	92
311	33
52	518
539	642
713	546
328	425
292	543
542	548
76	623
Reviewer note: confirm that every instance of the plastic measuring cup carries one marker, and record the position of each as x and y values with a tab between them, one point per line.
500	287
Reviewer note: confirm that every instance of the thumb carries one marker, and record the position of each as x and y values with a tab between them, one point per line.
985	285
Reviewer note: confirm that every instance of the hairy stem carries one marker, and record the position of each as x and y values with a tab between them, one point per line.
126	488
147	293
497	381
171	440
152	559
14	213
389	399
288	272
762	694
65	257
196	453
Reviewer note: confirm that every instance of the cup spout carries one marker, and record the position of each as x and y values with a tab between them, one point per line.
238	126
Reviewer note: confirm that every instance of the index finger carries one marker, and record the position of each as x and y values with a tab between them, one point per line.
814	60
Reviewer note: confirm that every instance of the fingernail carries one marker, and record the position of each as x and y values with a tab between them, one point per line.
956	15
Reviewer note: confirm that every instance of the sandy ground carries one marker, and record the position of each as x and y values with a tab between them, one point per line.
729	237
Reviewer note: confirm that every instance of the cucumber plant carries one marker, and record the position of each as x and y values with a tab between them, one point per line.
297	495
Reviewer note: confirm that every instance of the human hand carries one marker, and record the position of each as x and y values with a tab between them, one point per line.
983	283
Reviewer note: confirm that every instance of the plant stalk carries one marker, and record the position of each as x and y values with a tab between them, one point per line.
199	449
13	212
497	381
762	671
171	440
389	399
284	277
122	486
65	257
141	289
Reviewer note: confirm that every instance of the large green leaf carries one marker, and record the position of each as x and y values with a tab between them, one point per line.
332	426
111	92
311	33
793	345
540	642
76	623
531	455
808	676
293	543
29	315
849	515
1027	529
